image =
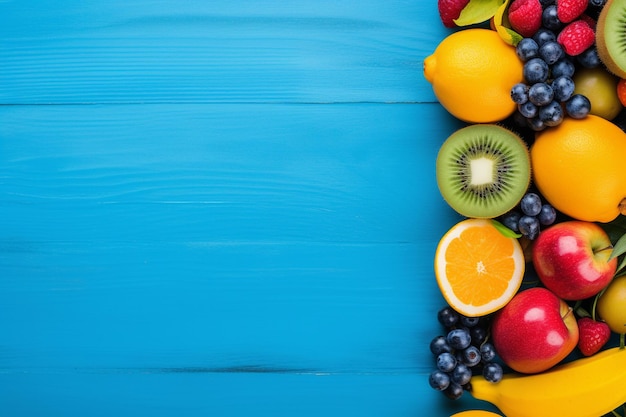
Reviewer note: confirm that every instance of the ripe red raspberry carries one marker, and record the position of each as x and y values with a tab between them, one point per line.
593	335
590	21
450	10
569	10
576	37
525	16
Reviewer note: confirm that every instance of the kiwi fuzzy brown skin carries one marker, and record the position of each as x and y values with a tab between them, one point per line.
500	157
611	22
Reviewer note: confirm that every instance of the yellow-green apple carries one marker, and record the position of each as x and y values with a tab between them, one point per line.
534	331
572	259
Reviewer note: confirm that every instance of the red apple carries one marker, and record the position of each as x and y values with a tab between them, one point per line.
572	259
534	331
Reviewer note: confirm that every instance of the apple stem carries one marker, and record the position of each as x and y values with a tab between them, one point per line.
610	247
622	340
570	310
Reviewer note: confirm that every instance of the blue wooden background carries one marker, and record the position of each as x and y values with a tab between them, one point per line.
219	208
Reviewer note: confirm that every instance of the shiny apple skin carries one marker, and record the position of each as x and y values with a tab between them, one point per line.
534	331
569	260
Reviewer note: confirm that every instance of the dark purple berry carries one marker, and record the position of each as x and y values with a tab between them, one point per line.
536	70
439	380
493	372
578	106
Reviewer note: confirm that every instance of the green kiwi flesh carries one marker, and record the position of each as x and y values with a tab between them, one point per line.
611	36
483	170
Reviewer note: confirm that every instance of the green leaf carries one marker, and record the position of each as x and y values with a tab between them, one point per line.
502	25
478	11
505	230
621	266
619	248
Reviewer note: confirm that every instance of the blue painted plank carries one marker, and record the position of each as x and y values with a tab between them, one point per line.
219	208
215	51
226	241
168	394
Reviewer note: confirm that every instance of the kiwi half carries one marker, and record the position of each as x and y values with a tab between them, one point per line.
483	170
611	36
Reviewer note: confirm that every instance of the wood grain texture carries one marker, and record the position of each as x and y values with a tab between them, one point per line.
219	208
259	51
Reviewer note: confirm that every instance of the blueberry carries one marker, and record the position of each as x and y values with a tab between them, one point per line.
589	58
526	49
578	106
519	93
529	226
549	18
544	35
446	362
563	87
510	220
479	334
470	321
536	124
540	94
528	109
454	391
447	317
564	66
597	3
459	338
462	374
439	380
536	70
547	215
530	204
551	52
487	352
493	372
545	3
439	345
471	356
551	114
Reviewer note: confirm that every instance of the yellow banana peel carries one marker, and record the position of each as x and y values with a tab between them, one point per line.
587	387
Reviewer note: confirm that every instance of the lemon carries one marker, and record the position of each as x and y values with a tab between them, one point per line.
578	166
612	305
472	72
600	87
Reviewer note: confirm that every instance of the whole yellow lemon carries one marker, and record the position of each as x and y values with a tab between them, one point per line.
472	72
612	305
578	166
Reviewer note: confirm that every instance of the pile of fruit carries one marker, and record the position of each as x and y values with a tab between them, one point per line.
534	275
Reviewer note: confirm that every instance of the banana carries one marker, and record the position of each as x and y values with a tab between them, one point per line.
587	387
475	413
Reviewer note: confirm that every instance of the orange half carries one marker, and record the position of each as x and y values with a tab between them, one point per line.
478	269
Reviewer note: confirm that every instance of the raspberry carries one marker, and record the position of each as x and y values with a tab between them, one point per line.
569	10
593	335
590	20
576	37
525	16
450	10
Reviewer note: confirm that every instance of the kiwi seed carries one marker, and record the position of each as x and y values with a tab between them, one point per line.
483	170
611	36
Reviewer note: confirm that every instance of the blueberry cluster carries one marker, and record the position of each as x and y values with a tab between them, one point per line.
530	215
546	96
462	352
